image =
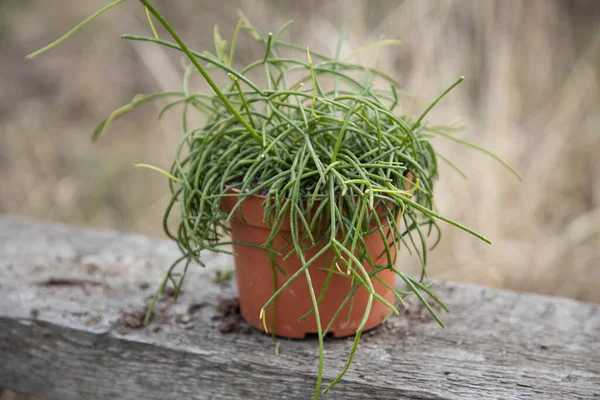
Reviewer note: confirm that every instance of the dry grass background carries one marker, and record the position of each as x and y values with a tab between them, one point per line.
532	96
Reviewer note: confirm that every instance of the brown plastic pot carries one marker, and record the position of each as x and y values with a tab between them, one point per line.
254	276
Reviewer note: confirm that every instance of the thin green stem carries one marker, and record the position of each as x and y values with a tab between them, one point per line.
201	69
74	29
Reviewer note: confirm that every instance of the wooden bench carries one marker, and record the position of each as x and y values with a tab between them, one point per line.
71	301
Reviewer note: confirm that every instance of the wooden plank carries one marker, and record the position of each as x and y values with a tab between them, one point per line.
67	296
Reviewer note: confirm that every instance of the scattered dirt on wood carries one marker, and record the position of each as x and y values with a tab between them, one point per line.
93	320
195	307
134	320
185	320
228	307
234	324
231	320
228	317
167	298
92	268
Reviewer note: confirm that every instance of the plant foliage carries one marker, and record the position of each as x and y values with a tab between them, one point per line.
322	139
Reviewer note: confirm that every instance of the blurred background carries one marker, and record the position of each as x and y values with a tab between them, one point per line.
531	95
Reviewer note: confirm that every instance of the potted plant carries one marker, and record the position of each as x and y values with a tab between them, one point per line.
313	176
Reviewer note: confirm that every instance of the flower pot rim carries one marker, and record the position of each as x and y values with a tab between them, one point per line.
262	196
255	201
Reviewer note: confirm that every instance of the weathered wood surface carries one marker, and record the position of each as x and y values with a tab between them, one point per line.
64	292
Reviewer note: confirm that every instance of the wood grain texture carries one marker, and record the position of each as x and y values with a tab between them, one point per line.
64	292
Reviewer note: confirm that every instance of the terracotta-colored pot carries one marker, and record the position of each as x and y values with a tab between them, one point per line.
255	280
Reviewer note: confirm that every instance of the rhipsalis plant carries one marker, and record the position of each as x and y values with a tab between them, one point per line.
323	139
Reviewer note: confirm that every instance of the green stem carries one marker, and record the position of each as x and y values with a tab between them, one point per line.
440	97
202	70
74	29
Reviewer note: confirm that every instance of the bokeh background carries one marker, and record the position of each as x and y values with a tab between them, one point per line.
531	95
